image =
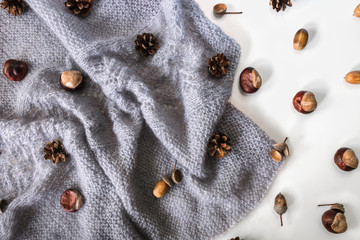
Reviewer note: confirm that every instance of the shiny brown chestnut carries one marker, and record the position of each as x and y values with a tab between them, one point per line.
305	102
334	220
15	70
345	158
71	200
71	80
250	80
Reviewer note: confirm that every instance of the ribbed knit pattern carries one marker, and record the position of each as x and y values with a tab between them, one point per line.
125	128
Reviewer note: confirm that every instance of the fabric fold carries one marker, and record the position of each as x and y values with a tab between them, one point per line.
126	127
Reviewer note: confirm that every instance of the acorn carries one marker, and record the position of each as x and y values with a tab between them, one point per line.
353	77
357	11
280	206
345	158
334	219
301	39
71	80
167	182
279	150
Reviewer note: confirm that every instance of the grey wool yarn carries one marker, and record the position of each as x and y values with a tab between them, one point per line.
124	129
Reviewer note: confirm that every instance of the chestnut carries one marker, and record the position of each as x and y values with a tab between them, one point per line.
305	102
71	80
345	158
71	200
15	70
334	220
250	80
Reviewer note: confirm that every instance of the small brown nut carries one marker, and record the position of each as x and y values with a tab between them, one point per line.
357	11
71	200
71	80
301	39
250	80
161	188
305	102
345	158
334	221
276	155
15	70
353	77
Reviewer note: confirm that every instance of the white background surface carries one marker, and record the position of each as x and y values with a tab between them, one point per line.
310	175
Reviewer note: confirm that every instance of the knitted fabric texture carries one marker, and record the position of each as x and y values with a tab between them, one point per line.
124	129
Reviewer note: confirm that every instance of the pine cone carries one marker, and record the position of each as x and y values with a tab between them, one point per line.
218	65
79	7
147	44
219	145
55	151
280	4
237	238
14	7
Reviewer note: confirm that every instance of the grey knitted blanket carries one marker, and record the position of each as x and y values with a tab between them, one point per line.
124	129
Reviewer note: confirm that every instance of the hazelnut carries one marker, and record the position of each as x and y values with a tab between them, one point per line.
353	77
357	11
305	102
334	219
345	158
250	80
71	200
301	39
71	80
15	70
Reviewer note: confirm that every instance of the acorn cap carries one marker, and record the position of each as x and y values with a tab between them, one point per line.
338	206
176	176
167	179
